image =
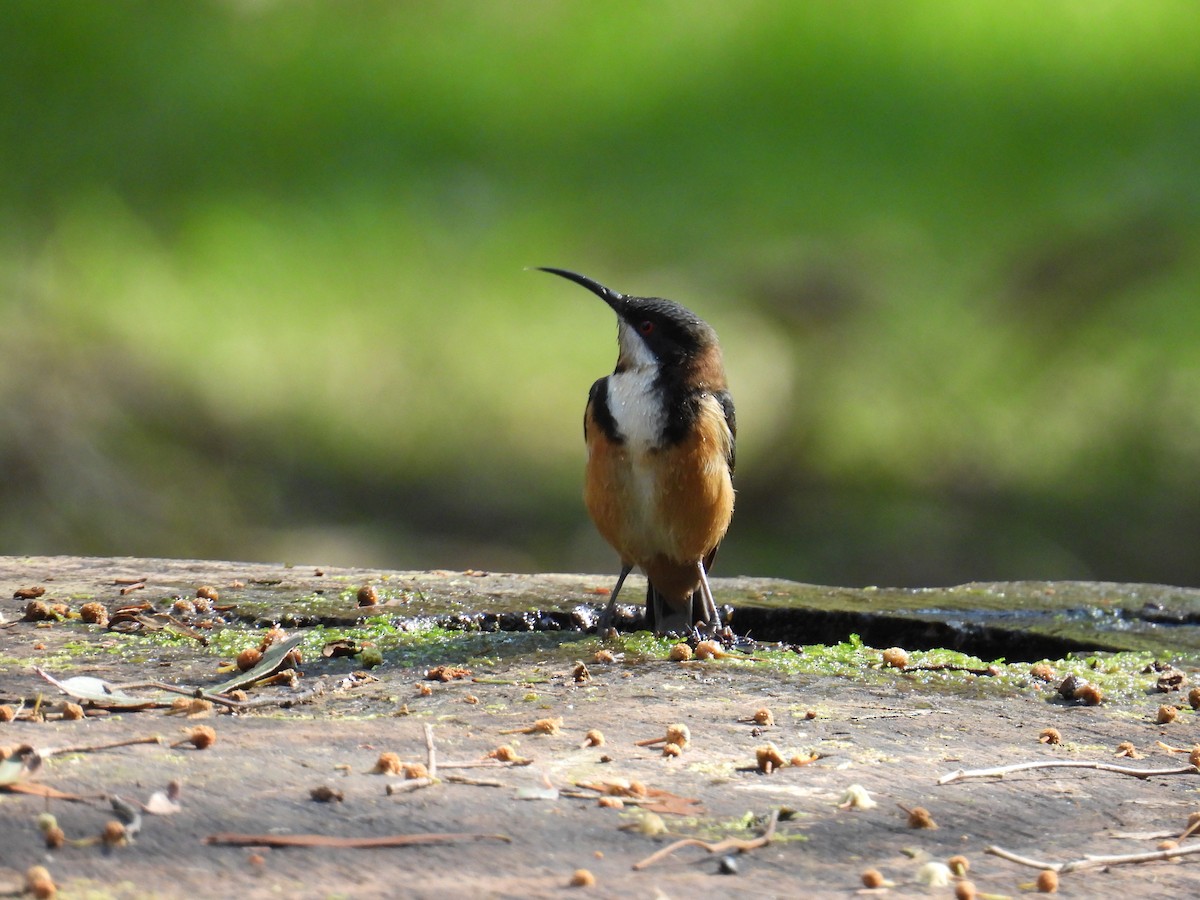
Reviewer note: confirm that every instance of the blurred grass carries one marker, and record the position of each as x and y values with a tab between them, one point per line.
262	286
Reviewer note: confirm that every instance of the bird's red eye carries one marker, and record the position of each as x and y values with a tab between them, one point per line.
646	328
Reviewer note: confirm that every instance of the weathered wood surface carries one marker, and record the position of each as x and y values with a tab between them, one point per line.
893	733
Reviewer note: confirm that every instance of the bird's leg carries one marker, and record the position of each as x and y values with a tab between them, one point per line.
657	625
605	621
711	617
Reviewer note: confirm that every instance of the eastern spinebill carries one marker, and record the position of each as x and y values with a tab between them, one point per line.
660	433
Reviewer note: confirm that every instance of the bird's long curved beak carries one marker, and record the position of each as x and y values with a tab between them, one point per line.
608	295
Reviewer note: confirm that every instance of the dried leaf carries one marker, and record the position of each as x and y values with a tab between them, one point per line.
341	647
273	660
100	693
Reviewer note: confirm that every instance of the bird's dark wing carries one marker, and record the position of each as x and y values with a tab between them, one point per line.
726	401
597	411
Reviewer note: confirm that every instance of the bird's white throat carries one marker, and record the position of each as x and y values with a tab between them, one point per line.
636	407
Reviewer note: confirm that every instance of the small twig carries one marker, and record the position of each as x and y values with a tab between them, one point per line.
949	667
54	751
961	774
486	764
198	693
477	782
1023	860
410	785
1171	749
1092	862
288	700
430	752
321	840
740	844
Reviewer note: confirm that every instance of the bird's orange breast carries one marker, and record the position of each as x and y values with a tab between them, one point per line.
663	508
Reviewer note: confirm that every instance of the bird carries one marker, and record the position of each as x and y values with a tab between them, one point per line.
661	435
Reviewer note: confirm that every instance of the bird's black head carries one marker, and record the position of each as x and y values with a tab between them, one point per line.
651	330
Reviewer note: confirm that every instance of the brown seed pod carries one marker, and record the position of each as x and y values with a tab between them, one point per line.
323	793
1089	695
471	699
764	716
1050	736
622	788
919	817
446	673
582	878
1166	714
594	738
604	656
208	592
39	883
38	611
679	734
54	837
1126	748
680	653
7	713
272	636
895	658
611	802
580	674
192	707
959	865
872	878
72	711
504	753
414	770
114	834
249	658
201	737
29	593
1194	698
1166	845
1194	757
424	689
708	650
768	758
367	596
388	764
965	890
672	750
1047	881
183	607
1041	672
94	614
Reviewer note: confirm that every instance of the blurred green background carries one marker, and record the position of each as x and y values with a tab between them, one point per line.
263	292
